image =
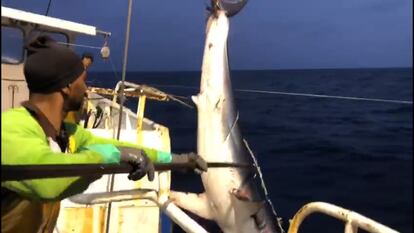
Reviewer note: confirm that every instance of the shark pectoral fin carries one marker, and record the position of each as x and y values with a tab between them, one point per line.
193	202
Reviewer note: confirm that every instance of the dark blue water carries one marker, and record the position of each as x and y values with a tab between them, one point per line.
355	154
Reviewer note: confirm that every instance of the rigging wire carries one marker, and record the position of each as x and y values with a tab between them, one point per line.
48	7
303	94
79	45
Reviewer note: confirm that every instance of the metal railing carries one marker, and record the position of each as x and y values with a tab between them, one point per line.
352	220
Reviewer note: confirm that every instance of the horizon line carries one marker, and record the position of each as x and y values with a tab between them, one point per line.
287	69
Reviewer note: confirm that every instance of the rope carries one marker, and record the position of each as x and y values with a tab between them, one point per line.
304	94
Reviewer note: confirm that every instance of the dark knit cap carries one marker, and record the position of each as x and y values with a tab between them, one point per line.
49	66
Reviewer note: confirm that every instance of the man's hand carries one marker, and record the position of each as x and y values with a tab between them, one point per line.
192	159
139	161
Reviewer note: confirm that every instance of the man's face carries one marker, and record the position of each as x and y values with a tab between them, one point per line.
77	92
86	62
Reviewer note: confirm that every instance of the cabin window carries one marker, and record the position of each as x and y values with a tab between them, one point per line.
11	45
57	36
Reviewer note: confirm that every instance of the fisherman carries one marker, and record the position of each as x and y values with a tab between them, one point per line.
35	134
87	59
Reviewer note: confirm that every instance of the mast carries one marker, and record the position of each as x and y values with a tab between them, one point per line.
111	179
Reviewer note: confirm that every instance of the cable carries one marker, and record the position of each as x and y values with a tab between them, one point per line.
48	7
326	96
79	45
304	94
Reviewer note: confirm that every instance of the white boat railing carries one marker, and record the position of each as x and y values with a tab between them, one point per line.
352	220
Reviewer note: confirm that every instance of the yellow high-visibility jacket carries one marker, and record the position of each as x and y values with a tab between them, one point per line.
33	205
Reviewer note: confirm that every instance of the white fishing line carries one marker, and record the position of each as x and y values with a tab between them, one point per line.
259	172
305	95
326	96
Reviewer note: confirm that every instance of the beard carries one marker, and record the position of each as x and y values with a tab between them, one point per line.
73	104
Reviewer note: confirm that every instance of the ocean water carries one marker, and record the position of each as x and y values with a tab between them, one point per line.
352	153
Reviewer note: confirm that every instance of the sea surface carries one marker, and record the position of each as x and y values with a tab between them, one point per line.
357	154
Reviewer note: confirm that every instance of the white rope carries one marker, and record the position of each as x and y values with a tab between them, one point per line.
306	95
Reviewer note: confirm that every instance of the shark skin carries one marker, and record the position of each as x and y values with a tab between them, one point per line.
234	197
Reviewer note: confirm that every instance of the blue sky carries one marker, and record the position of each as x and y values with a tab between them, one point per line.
266	34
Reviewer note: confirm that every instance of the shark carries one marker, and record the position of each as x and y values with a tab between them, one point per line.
235	197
